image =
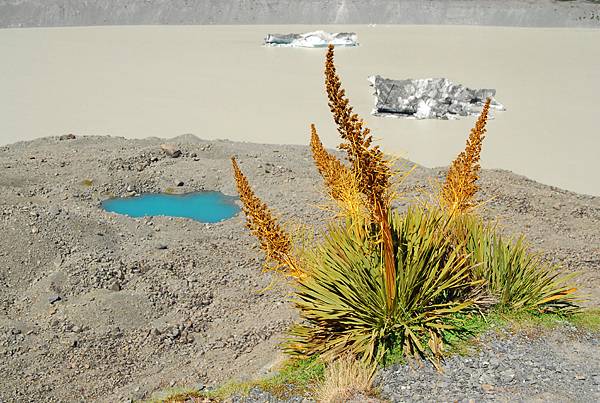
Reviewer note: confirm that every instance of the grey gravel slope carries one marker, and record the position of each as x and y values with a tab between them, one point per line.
529	13
134	317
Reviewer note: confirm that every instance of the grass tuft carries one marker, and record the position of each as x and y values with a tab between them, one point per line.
345	378
588	319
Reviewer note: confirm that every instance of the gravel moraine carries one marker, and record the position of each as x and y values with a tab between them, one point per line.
559	366
98	306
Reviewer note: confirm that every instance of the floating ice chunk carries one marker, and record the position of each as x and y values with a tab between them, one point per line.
428	98
316	39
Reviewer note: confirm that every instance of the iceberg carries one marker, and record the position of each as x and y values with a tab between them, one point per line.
429	98
316	39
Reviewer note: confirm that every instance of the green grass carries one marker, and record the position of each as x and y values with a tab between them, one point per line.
87	183
588	319
295	378
532	324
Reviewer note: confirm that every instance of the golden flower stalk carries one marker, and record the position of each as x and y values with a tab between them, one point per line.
371	168
368	162
340	182
274	241
460	186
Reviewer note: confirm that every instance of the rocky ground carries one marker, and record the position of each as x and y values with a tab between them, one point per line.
98	306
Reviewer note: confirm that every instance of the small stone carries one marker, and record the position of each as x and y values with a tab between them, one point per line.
180	183
171	150
54	298
34	230
507	376
487	388
115	286
69	136
162	247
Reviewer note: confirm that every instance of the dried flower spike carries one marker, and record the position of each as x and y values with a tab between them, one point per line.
369	164
460	186
274	241
340	181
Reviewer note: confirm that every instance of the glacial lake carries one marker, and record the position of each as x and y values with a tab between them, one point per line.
220	82
206	207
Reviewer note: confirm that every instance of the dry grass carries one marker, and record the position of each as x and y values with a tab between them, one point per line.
346	378
274	241
460	186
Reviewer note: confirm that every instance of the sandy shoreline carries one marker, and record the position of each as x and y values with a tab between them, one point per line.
219	82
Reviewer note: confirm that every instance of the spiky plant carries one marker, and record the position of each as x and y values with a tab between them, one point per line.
516	277
400	281
460	187
343	302
274	241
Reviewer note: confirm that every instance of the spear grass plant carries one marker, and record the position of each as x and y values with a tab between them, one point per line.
343	302
516	277
381	282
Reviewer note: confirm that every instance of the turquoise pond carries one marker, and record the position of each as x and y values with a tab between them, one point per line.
207	207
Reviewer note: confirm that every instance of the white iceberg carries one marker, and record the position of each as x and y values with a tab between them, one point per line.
429	98
316	39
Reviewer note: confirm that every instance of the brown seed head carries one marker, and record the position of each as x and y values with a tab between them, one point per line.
334	172
460	186
370	166
274	241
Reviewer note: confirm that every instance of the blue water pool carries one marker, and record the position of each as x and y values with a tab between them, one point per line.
206	207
